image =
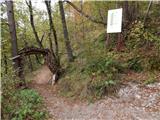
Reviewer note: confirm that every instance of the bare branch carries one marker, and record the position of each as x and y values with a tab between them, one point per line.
42	37
85	15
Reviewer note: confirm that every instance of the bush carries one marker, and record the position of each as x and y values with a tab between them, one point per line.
104	74
154	63
24	104
101	87
18	104
135	64
138	36
30	102
103	66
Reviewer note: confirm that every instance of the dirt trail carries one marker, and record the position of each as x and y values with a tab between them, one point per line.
134	102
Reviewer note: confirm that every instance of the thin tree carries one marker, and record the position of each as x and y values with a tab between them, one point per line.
12	28
29	57
32	23
66	37
52	30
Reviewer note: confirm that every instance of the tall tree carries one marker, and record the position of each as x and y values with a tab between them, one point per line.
12	28
32	23
66	37
52	30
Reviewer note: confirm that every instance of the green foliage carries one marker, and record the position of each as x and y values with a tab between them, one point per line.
138	36
103	65
104	74
24	104
150	80
99	88
95	72
135	64
20	104
99	41
29	103
154	63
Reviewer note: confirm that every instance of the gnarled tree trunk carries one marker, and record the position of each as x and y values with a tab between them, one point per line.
50	60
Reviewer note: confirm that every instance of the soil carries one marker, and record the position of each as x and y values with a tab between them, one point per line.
134	102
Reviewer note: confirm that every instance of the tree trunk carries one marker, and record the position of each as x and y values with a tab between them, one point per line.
66	38
30	63
5	61
49	59
52	30
32	23
83	33
12	28
5	64
29	57
51	47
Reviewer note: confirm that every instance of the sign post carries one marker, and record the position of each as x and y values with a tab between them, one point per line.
114	25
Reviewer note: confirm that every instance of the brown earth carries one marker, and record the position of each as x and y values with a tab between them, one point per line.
42	76
134	102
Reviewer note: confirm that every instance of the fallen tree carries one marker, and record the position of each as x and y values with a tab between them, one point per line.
50	60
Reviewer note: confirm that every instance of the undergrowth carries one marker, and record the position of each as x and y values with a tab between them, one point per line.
96	71
20	104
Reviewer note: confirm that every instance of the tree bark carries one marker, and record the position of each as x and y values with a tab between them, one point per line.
29	57
30	63
49	59
32	23
52	29
5	64
51	47
12	28
66	37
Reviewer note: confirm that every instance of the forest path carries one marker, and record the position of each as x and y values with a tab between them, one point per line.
134	102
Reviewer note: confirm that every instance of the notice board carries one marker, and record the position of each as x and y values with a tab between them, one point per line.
114	22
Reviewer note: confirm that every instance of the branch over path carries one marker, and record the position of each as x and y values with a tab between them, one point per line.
85	15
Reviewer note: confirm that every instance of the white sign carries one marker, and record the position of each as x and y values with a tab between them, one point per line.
114	23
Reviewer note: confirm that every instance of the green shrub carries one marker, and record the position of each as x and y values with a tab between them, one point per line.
138	36
99	42
154	63
29	104
103	66
18	104
135	64
151	79
104	72
99	88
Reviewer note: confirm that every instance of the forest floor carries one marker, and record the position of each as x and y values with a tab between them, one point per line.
133	102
